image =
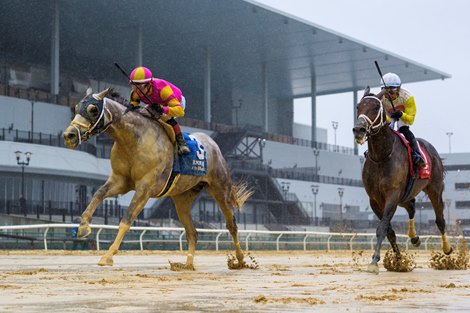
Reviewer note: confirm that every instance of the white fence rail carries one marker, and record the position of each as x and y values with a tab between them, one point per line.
349	240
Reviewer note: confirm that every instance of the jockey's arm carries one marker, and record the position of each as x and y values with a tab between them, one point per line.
134	99
409	113
173	107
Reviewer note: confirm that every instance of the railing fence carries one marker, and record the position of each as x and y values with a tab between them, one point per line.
211	239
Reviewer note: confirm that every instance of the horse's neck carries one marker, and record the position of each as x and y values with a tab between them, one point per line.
380	145
121	129
126	128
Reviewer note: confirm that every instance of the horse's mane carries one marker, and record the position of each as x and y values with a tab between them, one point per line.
116	96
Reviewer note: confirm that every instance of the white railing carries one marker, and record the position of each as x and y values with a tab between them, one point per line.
348	239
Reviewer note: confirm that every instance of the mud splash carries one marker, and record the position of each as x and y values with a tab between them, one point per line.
405	262
458	260
233	264
178	267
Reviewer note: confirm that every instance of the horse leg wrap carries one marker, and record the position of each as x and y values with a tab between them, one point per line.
411	228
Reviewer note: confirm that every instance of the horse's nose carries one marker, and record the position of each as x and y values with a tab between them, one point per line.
359	134
359	130
69	136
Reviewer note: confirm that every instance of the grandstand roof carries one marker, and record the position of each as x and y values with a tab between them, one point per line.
241	35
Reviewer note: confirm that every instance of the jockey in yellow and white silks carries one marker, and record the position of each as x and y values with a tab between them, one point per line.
161	95
404	112
405	102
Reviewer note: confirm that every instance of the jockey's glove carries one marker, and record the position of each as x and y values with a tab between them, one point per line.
397	114
158	108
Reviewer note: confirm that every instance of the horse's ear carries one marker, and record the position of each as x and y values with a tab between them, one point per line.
101	95
366	91
89	91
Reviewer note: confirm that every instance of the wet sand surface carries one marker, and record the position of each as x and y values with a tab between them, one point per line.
64	281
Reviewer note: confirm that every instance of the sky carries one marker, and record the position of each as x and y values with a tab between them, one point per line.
433	33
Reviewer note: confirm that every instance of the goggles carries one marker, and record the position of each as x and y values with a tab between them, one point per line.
390	88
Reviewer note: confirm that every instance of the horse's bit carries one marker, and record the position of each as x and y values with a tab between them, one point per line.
369	123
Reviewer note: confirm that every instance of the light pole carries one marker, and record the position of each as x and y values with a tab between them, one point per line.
341	193
316	152
32	98
22	164
262	144
448	203
421	207
236	108
285	186
315	192
335	127
450	135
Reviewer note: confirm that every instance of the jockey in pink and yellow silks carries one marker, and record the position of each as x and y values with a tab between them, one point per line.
163	96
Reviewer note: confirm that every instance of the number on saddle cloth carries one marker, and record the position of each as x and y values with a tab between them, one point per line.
193	163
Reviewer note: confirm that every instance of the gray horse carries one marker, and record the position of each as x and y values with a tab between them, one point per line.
141	160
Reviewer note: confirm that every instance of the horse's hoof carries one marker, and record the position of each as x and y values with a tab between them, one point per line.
83	231
449	251
175	266
415	241
373	268
106	261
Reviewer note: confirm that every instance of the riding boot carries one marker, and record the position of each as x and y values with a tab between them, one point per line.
182	146
416	154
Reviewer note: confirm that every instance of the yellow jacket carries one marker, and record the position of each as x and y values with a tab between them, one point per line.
405	102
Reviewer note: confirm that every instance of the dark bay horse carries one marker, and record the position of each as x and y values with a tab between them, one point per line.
141	160
386	172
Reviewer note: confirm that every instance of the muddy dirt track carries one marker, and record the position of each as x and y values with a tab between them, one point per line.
62	281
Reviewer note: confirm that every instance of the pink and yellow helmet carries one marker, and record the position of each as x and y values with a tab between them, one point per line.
141	75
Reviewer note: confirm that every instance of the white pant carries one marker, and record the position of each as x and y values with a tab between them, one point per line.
183	102
399	124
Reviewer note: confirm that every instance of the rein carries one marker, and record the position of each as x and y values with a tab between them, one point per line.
89	128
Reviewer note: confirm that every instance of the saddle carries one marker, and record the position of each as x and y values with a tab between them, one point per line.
422	173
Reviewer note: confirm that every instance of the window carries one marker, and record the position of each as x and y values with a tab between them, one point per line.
462	204
462	186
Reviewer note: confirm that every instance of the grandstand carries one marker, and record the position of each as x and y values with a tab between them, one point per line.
240	65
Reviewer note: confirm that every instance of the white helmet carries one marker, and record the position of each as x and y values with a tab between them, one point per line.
391	80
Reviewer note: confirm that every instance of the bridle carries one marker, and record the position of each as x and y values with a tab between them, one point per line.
371	127
90	128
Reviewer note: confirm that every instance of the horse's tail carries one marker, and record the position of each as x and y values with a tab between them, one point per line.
240	193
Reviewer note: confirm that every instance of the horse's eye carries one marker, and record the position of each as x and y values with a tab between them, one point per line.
92	110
